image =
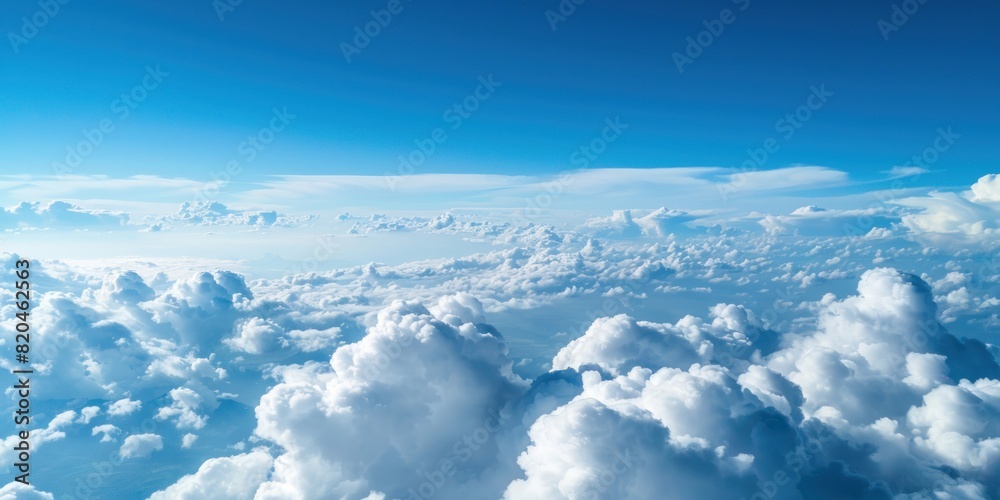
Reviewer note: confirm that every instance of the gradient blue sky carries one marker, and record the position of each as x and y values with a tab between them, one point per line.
607	59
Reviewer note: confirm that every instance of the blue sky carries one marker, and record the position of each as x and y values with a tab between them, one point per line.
557	86
652	230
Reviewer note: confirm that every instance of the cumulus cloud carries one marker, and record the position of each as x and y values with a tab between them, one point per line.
213	213
188	440
124	406
140	445
54	431
18	491
829	377
235	478
256	336
986	189
400	400
88	413
953	219
875	398
107	432
811	220
659	222
184	407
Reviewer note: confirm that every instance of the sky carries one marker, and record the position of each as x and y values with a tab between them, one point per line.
559	78
725	249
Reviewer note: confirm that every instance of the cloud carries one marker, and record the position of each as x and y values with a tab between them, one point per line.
58	214
657	223
620	343
124	406
986	189
571	365
957	219
213	213
907	171
817	221
140	445
183	409
398	401
235	478
106	431
53	432
877	392
256	336
18	491
188	440
88	413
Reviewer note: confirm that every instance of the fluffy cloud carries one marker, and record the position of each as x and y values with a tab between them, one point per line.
955	219
816	221
401	400
233	478
124	406
620	343
877	399
18	491
986	189
54	431
106	431
140	445
213	213
256	336
825	388
660	222
184	408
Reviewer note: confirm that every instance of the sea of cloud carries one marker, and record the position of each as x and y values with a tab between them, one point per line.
657	353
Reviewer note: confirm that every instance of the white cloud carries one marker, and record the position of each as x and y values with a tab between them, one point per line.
18	491
957	219
140	445
986	189
256	336
107	432
214	213
866	390
58	214
908	171
183	409
234	478
396	402
87	414
188	440
124	406
54	431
